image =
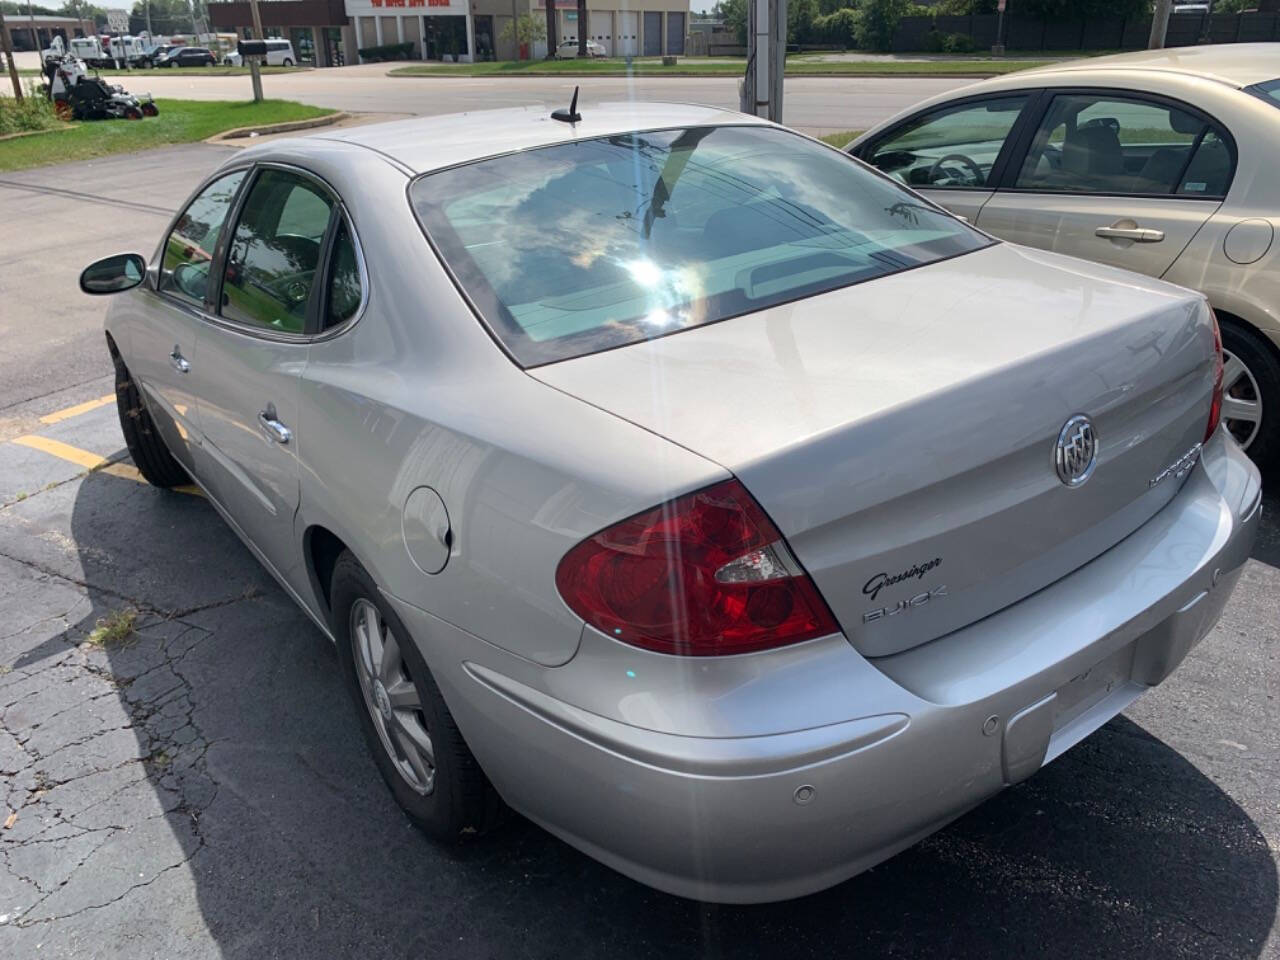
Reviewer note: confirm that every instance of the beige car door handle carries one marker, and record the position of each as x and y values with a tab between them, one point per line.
1138	234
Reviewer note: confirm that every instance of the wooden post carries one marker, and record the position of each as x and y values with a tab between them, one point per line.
7	42
255	70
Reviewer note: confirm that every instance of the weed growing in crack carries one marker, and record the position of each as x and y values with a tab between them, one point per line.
115	629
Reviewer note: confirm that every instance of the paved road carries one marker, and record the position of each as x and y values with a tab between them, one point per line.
814	104
201	788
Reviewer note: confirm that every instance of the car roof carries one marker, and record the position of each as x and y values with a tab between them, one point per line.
431	143
1236	64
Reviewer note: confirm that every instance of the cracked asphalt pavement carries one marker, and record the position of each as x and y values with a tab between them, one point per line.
197	786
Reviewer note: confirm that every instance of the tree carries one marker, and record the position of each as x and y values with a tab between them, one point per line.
550	30
734	15
582	28
527	29
877	22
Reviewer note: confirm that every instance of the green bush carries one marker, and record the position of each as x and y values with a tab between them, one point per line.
388	51
838	27
877	22
33	113
957	43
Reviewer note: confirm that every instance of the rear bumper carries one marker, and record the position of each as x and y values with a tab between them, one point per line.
733	814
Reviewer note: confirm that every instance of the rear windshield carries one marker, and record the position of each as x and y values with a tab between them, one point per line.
1269	91
584	246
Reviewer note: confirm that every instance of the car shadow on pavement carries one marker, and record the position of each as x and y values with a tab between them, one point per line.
261	824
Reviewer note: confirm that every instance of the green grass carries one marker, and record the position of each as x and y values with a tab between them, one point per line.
722	68
180	121
841	139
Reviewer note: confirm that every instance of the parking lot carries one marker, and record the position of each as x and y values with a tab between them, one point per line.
198	787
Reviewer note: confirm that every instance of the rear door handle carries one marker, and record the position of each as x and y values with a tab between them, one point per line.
273	428
1138	234
178	361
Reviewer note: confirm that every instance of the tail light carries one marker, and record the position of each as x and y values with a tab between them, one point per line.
704	575
1215	406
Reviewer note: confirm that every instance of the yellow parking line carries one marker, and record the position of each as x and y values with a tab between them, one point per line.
63	451
91	461
59	415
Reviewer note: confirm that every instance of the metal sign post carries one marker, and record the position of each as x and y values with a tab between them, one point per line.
997	48
761	90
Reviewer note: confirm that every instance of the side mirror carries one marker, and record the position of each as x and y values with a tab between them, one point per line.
124	271
192	279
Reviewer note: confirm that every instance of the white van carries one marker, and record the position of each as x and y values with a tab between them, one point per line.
279	54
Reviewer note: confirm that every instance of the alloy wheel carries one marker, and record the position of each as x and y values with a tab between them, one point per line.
1241	400
391	697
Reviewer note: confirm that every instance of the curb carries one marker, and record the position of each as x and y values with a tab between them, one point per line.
907	75
32	133
241	133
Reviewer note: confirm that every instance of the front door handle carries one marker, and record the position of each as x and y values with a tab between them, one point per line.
273	428
178	361
1135	233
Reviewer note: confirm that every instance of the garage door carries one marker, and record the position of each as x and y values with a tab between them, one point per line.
628	38
652	34
675	33
600	23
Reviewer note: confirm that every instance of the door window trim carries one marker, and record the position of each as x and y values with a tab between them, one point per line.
1011	170
1034	95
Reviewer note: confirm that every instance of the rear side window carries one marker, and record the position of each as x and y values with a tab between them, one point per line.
1116	145
344	290
588	245
952	147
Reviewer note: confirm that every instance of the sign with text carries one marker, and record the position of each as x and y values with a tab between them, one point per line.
368	8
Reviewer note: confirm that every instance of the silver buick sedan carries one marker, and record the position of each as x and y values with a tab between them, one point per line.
714	501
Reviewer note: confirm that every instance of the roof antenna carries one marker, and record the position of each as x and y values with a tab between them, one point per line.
571	115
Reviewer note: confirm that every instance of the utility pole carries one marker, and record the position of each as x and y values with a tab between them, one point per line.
552	39
8	55
583	26
766	57
35	36
255	68
150	36
1160	24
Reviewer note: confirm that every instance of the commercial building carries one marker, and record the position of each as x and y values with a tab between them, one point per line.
319	30
331	32
28	32
469	30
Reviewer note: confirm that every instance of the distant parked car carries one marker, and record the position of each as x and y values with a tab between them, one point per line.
153	55
279	54
188	57
1161	161
569	50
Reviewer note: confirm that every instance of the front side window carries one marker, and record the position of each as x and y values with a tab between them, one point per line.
1115	145
579	247
952	147
274	252
188	250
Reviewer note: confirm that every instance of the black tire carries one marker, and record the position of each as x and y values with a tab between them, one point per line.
150	455
1259	356
150	110
132	113
462	801
286	62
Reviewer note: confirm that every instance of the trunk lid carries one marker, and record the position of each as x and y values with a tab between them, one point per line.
902	433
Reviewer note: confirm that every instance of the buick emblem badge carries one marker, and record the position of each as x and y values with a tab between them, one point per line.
1077	451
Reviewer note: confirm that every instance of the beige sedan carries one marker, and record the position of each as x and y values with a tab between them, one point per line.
1166	162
